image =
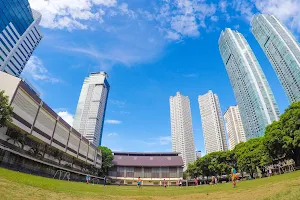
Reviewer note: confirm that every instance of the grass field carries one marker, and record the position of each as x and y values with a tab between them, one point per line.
15	185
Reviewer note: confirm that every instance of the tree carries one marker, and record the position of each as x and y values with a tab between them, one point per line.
192	170
273	140
107	158
283	137
252	154
5	109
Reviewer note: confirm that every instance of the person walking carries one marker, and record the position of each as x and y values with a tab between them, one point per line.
180	183
104	181
139	182
165	183
88	178
196	181
270	172
233	177
212	180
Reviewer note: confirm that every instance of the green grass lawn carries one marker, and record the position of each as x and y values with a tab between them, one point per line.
15	185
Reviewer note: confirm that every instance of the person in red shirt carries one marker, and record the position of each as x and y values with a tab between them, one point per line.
165	183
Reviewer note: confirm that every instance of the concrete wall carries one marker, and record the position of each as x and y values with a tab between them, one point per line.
9	84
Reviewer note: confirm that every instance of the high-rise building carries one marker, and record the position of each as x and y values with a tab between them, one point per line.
212	123
198	154
283	51
19	35
90	112
182	128
234	126
253	94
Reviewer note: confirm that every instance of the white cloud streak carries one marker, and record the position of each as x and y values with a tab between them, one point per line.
112	121
161	141
36	70
69	118
190	75
118	103
112	134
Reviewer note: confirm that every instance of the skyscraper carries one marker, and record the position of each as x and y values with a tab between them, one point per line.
212	123
182	128
252	91
234	126
283	51
90	112
19	35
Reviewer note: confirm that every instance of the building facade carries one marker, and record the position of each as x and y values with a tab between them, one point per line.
212	123
198	154
19	35
91	107
153	168
282	50
234	126
182	128
253	94
55	143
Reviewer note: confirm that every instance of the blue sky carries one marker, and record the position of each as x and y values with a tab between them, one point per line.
151	50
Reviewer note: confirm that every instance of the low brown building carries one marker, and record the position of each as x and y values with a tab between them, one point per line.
153	168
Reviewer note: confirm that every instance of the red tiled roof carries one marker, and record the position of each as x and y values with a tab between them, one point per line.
147	161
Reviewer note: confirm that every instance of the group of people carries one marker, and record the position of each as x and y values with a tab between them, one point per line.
165	183
88	180
214	180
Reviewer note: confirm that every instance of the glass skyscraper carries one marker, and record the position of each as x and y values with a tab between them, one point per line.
252	92
19	35
91	107
283	51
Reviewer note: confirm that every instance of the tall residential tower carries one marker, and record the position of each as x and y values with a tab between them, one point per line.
19	35
252	91
212	123
182	128
90	112
283	51
234	126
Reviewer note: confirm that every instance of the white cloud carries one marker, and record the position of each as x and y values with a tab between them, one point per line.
118	103
124	112
36	70
106	58
190	75
164	140
285	10
69	118
105	2
223	5
183	18
236	27
245	8
124	10
69	14
112	134
160	141
112	121
172	35
214	18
